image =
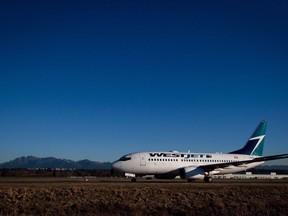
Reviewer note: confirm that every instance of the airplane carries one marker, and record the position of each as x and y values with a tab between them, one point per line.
193	166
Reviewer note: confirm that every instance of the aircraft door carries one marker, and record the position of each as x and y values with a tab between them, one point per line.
142	160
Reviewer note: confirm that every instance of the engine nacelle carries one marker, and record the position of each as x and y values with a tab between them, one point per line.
192	173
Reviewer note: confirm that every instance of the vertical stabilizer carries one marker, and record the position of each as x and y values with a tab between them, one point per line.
255	144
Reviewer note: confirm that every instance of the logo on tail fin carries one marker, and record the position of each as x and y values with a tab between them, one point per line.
255	144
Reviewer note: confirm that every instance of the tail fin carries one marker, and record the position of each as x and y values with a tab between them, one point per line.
255	144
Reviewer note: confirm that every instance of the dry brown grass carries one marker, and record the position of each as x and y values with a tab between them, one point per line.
120	197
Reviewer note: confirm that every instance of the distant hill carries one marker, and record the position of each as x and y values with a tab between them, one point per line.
53	163
273	167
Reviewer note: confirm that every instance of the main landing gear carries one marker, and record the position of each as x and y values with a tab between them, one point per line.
133	179
208	179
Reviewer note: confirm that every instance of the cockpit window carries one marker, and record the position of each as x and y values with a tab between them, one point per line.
125	158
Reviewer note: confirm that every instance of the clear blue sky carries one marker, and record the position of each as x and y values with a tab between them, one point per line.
99	79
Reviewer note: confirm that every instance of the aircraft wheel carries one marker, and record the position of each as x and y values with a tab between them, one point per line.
208	179
133	180
191	180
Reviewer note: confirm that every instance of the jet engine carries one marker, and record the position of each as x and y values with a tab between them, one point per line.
192	173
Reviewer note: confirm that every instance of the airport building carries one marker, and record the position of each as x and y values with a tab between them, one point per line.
250	175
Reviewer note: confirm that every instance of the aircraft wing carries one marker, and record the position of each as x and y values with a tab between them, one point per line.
211	167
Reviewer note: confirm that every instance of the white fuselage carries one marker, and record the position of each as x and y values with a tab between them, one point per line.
157	163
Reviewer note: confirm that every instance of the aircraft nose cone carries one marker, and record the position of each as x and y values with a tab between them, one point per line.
116	166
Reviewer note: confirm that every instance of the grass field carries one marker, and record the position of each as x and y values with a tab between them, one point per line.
75	196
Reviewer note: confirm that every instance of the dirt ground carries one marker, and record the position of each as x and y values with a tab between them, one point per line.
63	196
